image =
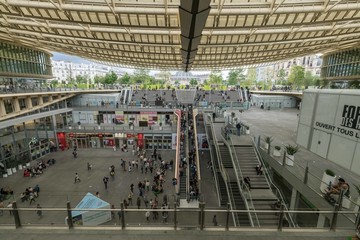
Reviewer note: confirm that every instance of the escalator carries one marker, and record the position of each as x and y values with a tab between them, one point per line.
242	219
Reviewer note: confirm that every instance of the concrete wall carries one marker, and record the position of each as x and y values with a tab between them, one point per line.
329	126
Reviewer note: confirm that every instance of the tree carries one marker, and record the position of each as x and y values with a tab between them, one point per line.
99	79
126	79
79	79
193	82
110	78
282	77
140	76
309	79
236	77
250	78
215	77
165	77
296	77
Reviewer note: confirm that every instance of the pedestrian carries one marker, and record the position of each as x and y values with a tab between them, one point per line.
31	197
75	154
142	168
112	211
132	188
146	201
39	211
138	202
114	147
215	221
130	168
77	178
238	127
147	216
89	166
105	180
130	198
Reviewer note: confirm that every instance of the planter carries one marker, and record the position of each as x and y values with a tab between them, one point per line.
9	172
247	131
289	160
28	164
326	181
266	146
20	167
14	169
277	153
5	175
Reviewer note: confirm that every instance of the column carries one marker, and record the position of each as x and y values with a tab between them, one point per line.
40	100
294	201
54	129
2	108
28	103
16	105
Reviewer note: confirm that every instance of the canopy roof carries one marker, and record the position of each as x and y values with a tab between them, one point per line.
183	34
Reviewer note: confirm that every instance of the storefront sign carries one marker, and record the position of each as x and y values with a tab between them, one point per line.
100	135
348	120
71	135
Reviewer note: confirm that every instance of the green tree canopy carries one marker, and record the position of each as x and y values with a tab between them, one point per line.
296	77
79	79
193	82
250	79
309	79
99	79
282	77
110	78
140	76
126	79
215	77
236	77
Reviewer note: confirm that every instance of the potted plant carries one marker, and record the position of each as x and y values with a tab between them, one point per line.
277	152
290	152
247	130
268	140
327	179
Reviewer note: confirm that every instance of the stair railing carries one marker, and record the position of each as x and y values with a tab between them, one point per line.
245	191
223	172
272	185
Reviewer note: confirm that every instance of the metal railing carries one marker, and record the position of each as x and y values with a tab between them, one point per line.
222	169
247	200
274	188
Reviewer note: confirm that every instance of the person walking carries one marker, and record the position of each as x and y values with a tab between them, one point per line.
1	208
130	198
215	221
39	210
238	127
77	178
105	180
89	166
31	197
147	216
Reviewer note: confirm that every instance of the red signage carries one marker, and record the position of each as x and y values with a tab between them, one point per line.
71	135
100	135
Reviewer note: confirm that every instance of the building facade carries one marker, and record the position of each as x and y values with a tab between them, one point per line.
64	70
343	65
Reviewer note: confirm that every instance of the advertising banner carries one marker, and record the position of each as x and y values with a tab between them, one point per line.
203	142
119	117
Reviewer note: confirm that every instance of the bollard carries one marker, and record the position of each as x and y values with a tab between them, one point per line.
122	216
227	217
16	215
69	215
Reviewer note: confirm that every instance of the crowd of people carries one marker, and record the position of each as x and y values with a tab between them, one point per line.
38	168
193	178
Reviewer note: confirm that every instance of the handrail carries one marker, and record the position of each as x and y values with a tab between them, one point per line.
212	160
222	169
177	154
186	147
195	113
240	178
273	186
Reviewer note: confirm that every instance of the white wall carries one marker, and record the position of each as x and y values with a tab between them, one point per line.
329	126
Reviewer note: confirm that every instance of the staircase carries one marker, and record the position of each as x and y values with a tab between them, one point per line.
182	188
248	162
242	219
225	157
261	195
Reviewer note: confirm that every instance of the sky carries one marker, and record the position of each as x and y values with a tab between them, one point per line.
69	58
